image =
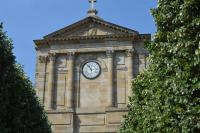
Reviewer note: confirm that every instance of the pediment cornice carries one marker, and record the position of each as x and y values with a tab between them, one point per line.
139	37
91	21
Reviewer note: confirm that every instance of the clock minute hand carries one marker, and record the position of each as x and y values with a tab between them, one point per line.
89	67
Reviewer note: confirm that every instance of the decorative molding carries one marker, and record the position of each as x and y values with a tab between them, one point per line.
92	30
43	59
92	20
52	56
109	53
130	52
70	55
133	37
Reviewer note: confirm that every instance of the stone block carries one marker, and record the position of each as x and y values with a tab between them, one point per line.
62	129
92	129
121	87
61	118
112	128
91	119
115	117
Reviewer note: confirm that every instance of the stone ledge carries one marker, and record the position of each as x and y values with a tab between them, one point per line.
133	37
90	111
60	111
112	109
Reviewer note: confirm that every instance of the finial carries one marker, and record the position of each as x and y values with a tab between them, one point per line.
92	11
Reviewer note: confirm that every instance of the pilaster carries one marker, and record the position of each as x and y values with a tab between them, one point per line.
51	78
70	86
129	56
42	61
109	54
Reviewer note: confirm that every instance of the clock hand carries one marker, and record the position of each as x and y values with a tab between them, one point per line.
89	67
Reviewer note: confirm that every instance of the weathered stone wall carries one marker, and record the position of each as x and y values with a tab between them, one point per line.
78	105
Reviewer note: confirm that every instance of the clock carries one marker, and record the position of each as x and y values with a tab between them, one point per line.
91	70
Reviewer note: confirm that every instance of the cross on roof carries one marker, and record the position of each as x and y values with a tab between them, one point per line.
92	3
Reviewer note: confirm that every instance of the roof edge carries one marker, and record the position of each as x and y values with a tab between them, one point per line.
139	37
87	19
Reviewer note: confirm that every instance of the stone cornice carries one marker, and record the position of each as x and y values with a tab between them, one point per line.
139	37
89	20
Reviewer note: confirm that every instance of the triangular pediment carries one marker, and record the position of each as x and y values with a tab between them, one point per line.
91	26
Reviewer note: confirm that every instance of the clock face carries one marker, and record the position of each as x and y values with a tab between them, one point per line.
91	70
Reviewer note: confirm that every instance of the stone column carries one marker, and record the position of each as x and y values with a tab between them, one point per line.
70	80
129	56
109	54
51	68
42	60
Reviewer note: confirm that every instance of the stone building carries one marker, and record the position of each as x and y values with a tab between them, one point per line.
84	73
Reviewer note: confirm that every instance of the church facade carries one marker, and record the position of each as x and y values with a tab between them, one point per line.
84	73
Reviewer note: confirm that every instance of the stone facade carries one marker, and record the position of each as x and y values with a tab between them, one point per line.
75	104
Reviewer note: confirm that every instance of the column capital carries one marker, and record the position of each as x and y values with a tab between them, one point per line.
52	56
109	52
130	52
70	55
43	59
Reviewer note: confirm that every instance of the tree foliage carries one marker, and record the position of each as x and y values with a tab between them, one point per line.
20	111
166	97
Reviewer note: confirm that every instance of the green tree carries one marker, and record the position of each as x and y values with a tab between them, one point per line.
166	97
20	110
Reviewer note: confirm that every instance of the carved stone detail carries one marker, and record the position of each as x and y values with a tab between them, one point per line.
43	59
71	55
130	52
92	31
52	56
110	53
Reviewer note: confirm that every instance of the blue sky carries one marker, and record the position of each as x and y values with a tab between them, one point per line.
27	20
